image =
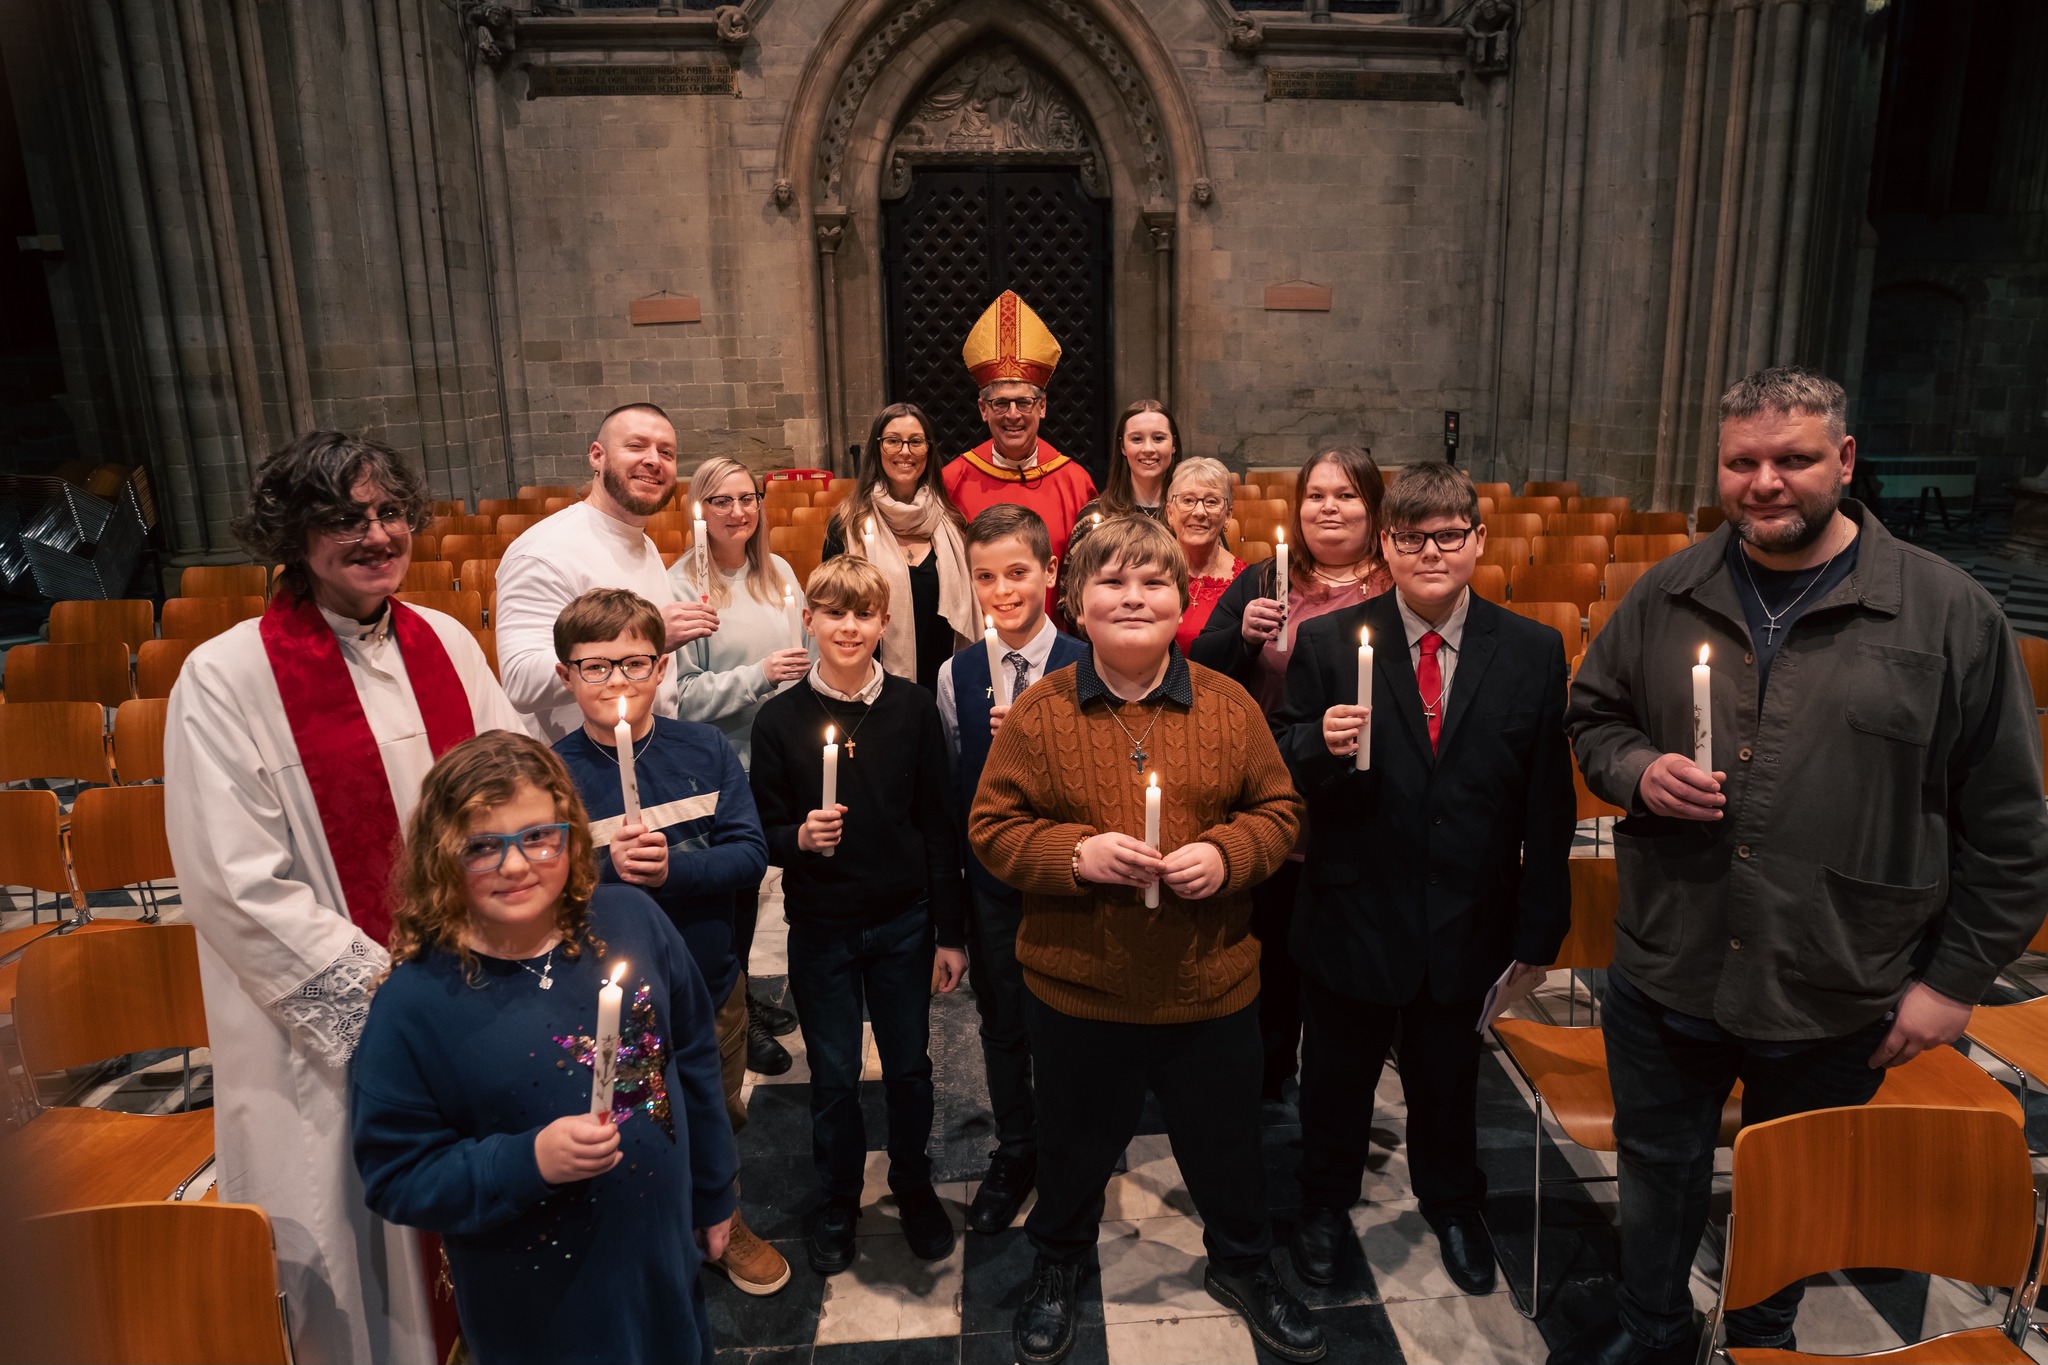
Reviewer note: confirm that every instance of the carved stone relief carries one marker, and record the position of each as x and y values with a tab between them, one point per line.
993	104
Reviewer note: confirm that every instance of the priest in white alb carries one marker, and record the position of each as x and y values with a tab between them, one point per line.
296	745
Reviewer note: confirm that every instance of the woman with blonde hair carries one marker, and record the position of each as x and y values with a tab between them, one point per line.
1197	512
899	516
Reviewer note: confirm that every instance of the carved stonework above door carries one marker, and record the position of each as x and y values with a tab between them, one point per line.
993	105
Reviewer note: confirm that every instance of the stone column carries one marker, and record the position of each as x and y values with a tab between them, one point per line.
1159	223
277	241
1557	67
1780	111
831	229
1571	216
1678	295
488	50
1805	167
1727	228
1499	143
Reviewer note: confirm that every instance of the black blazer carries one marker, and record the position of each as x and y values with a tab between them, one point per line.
1431	871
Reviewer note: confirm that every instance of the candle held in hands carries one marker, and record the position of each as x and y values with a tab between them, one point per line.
629	784
796	623
1364	759
867	539
697	529
1703	714
831	789
604	1056
999	680
1280	585
1152	832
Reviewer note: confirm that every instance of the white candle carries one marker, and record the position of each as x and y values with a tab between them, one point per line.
1152	832
1097	520
1703	714
1280	585
868	540
796	623
697	527
998	679
1364	760
604	1056
831	794
622	736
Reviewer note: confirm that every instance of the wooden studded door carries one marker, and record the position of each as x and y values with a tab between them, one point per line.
962	235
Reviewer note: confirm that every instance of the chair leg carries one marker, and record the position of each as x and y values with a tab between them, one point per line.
1533	1305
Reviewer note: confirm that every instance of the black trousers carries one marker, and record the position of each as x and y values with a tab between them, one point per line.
1344	1046
999	996
1279	978
1668	1093
1092	1078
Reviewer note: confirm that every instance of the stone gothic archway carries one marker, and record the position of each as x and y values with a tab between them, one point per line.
861	90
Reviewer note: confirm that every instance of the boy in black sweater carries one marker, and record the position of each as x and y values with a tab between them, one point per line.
868	884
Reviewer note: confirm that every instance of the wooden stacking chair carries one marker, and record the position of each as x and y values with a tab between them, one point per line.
802	564
544	491
1620	576
479	575
1542	506
465	606
425	545
1537	488
1578	584
1255	551
513	525
788	493
1648	549
223	580
1499	492
553	505
669	542
1597	614
802	515
808	540
459	549
92	672
126	621
428	575
1520	525
451	507
1653	523
84	997
1561	617
1486	510
139	740
839	491
674	519
777	516
1708	519
1616	507
202	618
118	841
1260	517
498	507
1490	581
1509	552
463	525
1580	524
2034	656
32	851
158	664
1571	550
487	641
53	740
1938	1191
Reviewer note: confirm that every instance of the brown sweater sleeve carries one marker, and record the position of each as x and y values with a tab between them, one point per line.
1009	826
1265	814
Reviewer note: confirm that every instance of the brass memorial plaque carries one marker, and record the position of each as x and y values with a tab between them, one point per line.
705	78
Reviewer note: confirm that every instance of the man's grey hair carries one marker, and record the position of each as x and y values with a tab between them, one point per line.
1788	389
988	390
1201	469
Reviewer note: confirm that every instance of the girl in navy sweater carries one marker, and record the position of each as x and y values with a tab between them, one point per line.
569	1236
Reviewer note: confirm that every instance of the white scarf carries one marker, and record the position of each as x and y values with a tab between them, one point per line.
921	517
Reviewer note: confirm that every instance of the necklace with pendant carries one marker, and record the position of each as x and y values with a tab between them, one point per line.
546	976
1138	754
840	721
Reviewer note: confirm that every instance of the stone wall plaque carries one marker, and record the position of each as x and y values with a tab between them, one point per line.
1330	83
697	78
659	308
1298	296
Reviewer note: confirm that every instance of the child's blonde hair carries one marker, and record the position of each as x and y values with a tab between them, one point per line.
847	583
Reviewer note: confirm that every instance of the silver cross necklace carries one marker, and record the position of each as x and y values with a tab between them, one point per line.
1771	618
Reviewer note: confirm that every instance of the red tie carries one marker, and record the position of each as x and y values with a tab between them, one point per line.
1429	680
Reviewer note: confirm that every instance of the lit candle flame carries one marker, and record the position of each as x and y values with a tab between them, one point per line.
622	710
1280	535
871	526
830	730
617	972
990	622
1098	518
1152	780
697	511
1364	636
1703	654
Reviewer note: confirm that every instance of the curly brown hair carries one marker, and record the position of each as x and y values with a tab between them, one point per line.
430	888
309	484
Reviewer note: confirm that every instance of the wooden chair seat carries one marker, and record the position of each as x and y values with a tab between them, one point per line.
76	1158
1568	1067
158	663
2017	1034
10	974
1944	1078
1490	581
95	671
1980	1346
127	621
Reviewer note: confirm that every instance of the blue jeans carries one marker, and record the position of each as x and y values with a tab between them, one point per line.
832	973
1668	1093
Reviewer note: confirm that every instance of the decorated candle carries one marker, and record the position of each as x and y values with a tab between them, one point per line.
1364	760
697	528
1152	832
629	785
831	792
796	622
1280	585
604	1058
1703	714
868	540
998	679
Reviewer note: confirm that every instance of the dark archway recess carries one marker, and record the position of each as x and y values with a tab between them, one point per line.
962	235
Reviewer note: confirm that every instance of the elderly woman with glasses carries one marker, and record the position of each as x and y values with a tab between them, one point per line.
898	515
1197	511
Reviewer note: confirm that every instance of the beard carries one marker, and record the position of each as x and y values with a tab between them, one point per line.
1801	532
621	489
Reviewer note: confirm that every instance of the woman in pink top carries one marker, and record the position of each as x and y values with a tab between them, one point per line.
1336	564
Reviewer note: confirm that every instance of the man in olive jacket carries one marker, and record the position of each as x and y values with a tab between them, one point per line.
1869	852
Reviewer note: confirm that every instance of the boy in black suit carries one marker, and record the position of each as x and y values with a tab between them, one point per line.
1429	873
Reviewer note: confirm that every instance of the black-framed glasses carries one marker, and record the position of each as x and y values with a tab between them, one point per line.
536	844
725	502
634	668
1011	404
896	445
1449	540
351	530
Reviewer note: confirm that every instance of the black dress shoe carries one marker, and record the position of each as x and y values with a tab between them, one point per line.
831	1243
925	1224
1001	1194
778	1021
1044	1326
1610	1343
1279	1320
765	1056
1467	1249
1320	1236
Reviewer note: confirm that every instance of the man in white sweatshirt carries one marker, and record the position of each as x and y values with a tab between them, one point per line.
601	542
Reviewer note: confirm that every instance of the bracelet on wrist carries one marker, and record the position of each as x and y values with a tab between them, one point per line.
1079	880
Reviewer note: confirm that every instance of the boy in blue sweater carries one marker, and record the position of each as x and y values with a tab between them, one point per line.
696	843
1010	559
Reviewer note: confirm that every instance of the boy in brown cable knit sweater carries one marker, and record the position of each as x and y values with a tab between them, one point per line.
1126	997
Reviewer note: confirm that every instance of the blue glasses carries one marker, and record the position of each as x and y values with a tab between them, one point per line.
536	843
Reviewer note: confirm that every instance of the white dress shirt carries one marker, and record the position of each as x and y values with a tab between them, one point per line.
1036	651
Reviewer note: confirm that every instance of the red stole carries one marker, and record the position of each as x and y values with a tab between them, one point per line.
337	749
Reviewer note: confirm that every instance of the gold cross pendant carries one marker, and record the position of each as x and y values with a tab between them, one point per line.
849	748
